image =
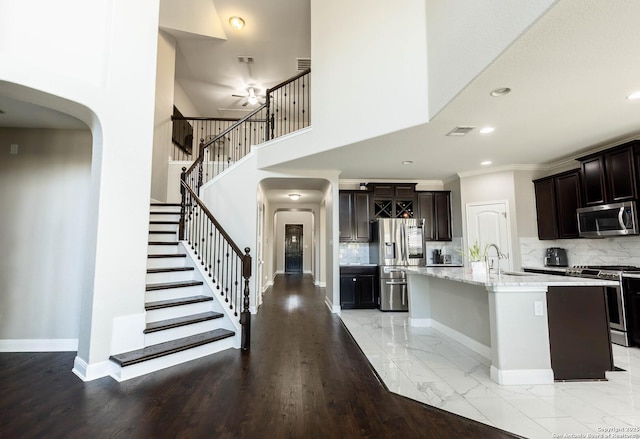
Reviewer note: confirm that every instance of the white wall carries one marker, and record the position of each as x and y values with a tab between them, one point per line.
162	146
96	61
42	190
288	217
198	17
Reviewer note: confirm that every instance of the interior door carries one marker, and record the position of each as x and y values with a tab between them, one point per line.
488	223
293	248
260	255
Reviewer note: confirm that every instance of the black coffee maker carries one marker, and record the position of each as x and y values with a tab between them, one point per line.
556	257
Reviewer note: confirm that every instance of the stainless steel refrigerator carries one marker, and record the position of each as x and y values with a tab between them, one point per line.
397	243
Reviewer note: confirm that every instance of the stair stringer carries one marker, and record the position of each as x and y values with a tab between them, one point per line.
230	321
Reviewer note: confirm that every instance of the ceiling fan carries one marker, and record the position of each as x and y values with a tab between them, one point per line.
251	97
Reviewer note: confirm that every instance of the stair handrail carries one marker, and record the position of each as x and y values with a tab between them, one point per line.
244	257
198	162
269	92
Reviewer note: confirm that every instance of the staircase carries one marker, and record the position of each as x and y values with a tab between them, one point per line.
184	319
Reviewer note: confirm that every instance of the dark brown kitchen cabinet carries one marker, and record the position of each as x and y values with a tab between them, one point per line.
359	287
393	200
610	176
557	198
435	208
354	216
579	335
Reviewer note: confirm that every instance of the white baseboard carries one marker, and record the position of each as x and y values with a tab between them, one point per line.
322	284
419	323
335	309
39	345
463	339
519	377
90	372
253	309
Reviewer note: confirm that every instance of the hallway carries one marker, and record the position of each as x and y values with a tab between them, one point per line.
304	377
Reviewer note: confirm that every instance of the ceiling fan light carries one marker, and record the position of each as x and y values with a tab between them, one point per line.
236	22
294	197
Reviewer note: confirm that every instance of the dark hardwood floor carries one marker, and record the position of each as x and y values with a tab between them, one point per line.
303	378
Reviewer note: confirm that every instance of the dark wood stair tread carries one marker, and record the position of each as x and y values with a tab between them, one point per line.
170	347
181	321
164	232
176	302
169	285
166	212
167	255
163	243
164	222
168	269
165	204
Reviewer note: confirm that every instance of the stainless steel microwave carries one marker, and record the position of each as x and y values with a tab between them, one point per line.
617	219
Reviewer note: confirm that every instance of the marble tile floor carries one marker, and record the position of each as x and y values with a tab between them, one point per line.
426	365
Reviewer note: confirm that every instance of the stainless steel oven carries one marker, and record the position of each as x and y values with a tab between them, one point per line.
618	318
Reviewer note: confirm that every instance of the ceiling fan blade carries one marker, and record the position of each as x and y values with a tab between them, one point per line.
239	96
245	104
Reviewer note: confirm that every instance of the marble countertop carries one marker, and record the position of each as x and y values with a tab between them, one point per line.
555	269
516	279
357	264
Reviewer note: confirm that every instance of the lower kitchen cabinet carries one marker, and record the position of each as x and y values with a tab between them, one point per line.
579	335
359	287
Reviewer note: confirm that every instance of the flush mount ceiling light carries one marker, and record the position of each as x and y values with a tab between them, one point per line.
407	162
294	197
500	92
634	95
236	22
486	163
252	98
487	130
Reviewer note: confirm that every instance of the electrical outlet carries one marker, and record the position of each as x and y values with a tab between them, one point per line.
538	308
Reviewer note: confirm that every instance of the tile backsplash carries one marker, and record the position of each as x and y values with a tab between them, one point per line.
452	248
624	250
354	253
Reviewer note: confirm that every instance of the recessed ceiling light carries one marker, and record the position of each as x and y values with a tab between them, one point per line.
407	162
500	92
634	95
294	197
236	22
486	163
487	130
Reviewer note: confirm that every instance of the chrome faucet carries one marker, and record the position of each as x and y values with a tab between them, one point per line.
488	263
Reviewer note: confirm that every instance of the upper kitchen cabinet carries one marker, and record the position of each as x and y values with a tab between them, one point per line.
435	208
393	200
610	176
557	198
354	216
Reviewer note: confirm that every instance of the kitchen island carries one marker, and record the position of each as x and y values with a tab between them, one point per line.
505	319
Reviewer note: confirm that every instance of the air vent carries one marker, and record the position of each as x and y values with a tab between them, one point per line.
303	63
460	131
245	59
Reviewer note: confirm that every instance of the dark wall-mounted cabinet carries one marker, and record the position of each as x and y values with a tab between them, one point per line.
359	287
354	216
435	208
557	198
393	200
610	176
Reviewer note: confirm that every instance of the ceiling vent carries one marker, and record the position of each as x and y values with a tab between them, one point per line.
245	59
460	131
303	63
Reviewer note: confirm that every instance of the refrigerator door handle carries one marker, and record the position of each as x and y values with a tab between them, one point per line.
403	243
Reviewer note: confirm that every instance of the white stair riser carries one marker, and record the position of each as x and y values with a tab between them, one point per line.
166	262
165	216
162	249
165	237
166	294
164	208
170	276
178	311
163	227
182	331
125	373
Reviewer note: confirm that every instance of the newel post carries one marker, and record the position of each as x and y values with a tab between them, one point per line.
245	316
183	203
